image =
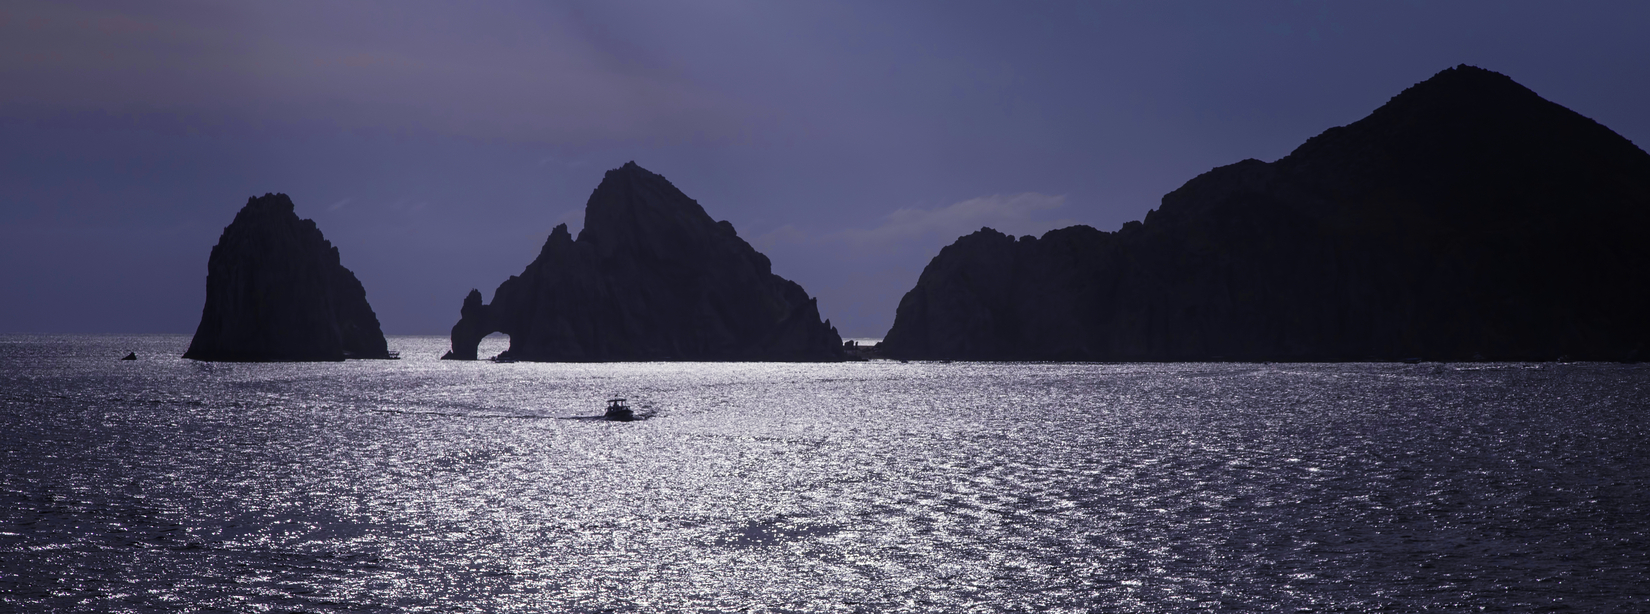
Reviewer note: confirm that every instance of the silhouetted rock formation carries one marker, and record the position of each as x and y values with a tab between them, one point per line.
275	291
473	324
1465	218
651	277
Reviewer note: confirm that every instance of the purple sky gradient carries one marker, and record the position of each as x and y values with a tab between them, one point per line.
438	143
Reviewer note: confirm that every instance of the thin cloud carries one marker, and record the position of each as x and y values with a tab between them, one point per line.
1014	214
535	74
783	235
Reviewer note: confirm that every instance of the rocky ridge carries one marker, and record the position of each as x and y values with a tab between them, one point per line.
1467	218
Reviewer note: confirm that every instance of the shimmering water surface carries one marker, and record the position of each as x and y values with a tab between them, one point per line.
418	485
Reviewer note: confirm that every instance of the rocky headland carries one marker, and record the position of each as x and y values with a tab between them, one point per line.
650	277
276	291
1467	218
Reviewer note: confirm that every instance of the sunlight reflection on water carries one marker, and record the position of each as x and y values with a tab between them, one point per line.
427	485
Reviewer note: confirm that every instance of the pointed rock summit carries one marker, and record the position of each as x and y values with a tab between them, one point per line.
275	291
650	277
1467	217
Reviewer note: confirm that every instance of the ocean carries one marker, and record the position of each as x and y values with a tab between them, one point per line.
413	485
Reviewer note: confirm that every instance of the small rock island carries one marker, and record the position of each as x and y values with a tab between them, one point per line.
276	291
1467	218
650	277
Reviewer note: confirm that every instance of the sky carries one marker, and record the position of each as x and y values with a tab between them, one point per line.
437	143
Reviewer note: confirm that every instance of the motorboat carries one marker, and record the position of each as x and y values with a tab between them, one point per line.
618	410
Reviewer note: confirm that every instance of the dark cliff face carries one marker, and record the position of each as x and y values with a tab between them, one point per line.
275	291
1466	218
651	277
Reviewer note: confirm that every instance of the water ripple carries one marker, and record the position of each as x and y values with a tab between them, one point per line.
421	485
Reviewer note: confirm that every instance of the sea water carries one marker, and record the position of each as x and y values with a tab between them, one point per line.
164	484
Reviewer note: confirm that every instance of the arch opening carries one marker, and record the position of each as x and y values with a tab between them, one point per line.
493	346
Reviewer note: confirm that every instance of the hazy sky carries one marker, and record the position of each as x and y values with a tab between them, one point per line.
437	143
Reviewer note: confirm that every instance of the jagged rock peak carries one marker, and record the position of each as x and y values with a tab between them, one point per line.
1461	89
268	204
651	276
276	291
1464	81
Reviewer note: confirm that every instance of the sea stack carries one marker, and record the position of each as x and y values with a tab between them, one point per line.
650	277
276	291
1467	218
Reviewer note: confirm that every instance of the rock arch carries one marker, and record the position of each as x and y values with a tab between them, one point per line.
474	323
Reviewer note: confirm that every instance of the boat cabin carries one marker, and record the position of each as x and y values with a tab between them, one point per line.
618	410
